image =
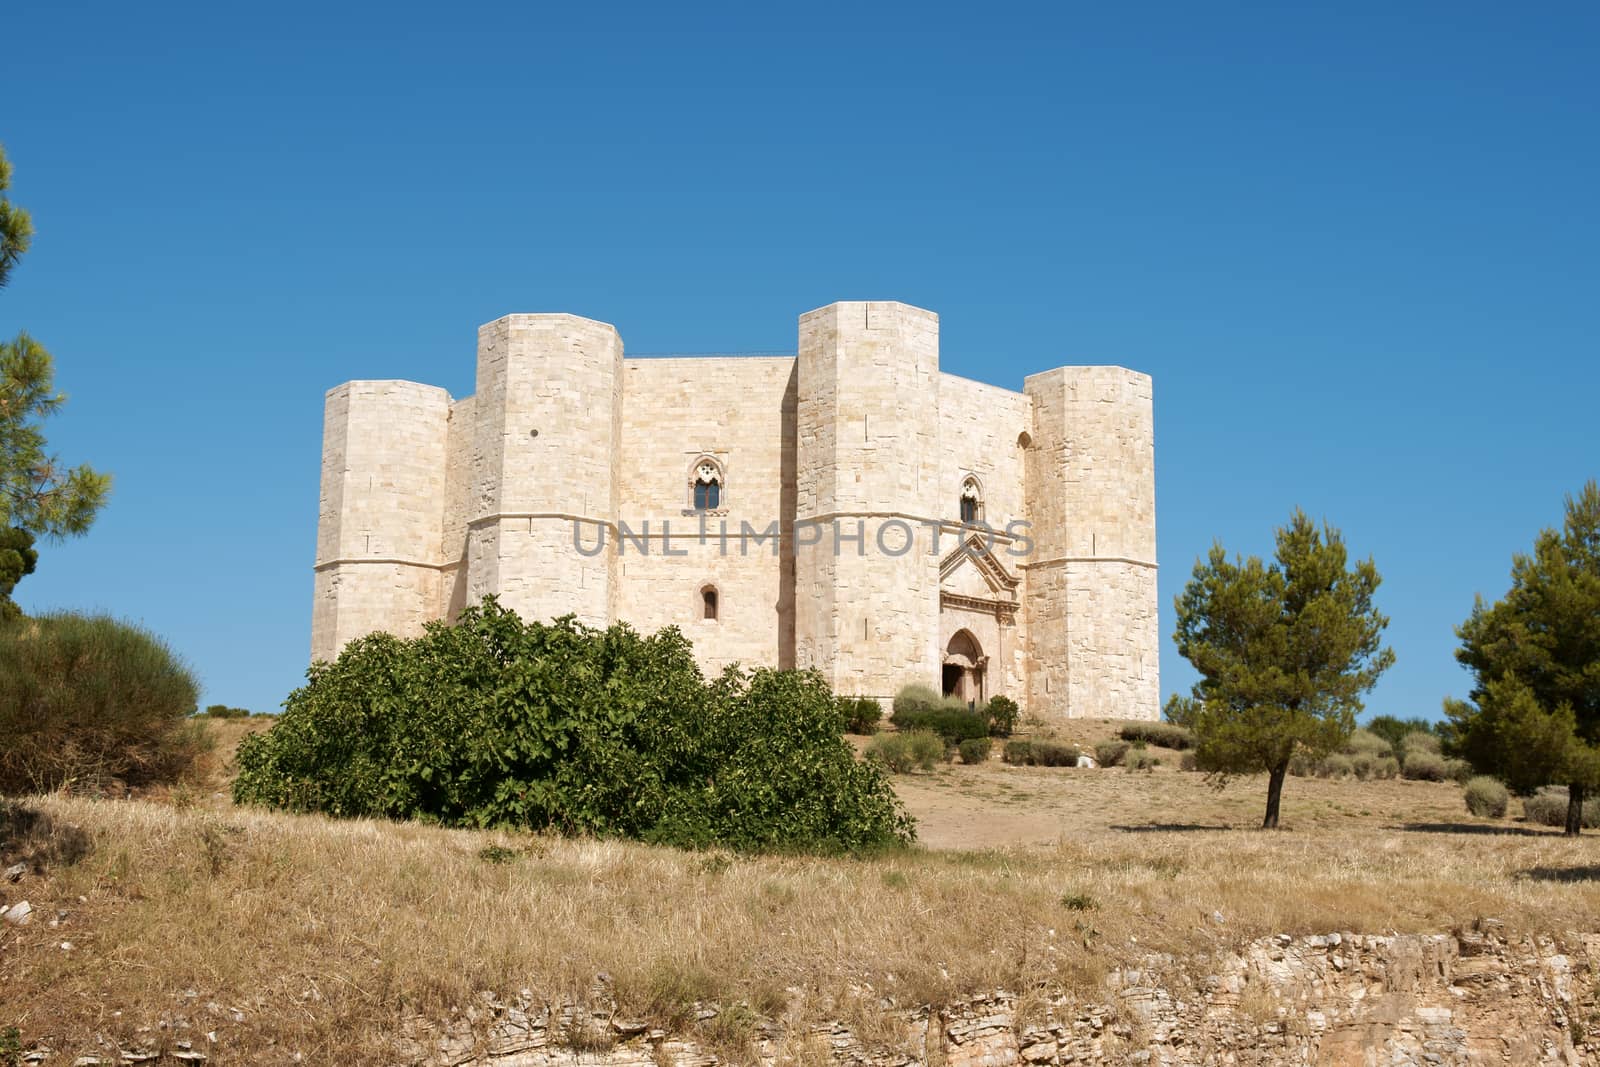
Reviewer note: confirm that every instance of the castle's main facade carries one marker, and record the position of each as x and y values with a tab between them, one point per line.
851	509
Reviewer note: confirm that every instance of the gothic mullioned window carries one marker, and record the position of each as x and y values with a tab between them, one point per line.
707	486
971	501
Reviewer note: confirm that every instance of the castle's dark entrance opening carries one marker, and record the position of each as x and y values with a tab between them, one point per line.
952	679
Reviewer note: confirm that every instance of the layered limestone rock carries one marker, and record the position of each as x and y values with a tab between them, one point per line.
1476	997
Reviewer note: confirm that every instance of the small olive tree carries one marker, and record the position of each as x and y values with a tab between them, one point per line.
1284	652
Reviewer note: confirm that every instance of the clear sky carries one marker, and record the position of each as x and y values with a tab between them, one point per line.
1356	245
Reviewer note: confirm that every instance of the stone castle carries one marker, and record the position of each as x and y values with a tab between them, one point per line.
850	509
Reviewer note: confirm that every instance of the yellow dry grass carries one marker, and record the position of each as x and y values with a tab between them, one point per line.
322	935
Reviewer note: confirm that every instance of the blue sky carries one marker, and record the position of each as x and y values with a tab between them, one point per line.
1356	246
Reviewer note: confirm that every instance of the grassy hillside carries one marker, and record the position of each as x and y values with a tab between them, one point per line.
284	933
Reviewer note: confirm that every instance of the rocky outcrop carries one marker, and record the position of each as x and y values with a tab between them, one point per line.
1476	997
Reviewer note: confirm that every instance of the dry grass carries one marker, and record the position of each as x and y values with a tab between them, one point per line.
323	934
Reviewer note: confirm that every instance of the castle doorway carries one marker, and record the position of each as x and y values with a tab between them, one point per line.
964	664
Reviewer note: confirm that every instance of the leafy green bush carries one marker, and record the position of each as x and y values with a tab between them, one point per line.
222	711
497	722
1003	713
1110	753
1488	799
860	714
975	749
1423	766
1162	734
1548	807
1039	753
88	699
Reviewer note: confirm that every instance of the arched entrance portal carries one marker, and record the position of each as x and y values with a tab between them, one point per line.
964	664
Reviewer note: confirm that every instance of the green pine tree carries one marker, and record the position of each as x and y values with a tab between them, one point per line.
1533	717
1284	653
38	495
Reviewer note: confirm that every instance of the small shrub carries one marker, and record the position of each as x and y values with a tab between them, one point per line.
1418	741
861	714
1548	807
222	711
1487	798
1188	761
1458	771
913	699
925	748
952	721
1423	766
1040	753
890	751
1336	765
975	749
1138	758
1301	765
88	699
1365	742
1366	766
1110	753
1003	713
1054	754
1079	902
1394	730
1161	734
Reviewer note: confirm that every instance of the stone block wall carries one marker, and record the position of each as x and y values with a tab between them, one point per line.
381	510
842	453
547	430
868	453
1091	622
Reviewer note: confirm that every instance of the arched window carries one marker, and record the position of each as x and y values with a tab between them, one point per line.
708	603
706	485
971	501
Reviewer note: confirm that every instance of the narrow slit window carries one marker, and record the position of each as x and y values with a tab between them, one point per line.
708	603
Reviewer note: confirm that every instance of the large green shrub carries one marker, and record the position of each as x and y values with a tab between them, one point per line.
1003	713
88	700
1162	734
1487	798
497	722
